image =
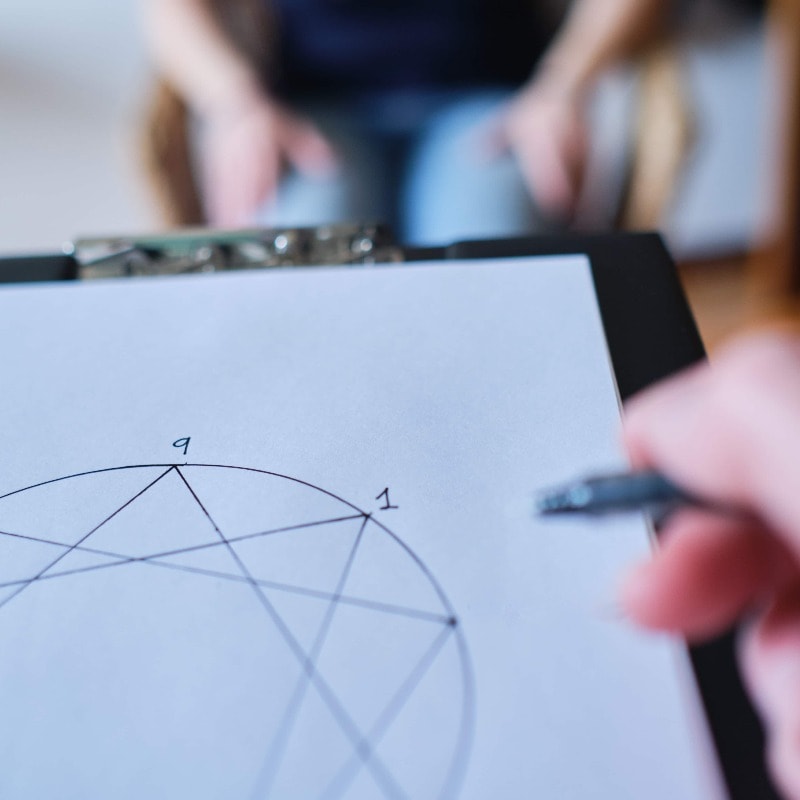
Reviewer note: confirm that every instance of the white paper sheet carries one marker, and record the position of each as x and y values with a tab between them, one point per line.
338	589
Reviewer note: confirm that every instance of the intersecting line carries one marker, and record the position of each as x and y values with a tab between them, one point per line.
364	745
391	711
154	560
379	771
286	726
72	547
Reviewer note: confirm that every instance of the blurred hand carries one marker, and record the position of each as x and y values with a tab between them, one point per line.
731	433
247	146
545	129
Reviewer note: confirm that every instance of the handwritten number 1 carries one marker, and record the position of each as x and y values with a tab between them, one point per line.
385	495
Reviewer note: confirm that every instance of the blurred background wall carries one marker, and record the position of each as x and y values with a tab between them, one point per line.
72	78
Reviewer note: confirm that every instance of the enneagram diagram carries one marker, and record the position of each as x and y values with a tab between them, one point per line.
317	549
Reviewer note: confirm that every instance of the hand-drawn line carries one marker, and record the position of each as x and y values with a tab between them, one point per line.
190	548
460	757
458	765
396	704
422	566
381	774
84	474
279	475
154	560
349	600
80	541
417	560
283	733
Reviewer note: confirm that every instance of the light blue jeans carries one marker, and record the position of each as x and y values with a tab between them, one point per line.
414	160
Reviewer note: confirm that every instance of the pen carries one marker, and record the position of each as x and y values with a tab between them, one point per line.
610	494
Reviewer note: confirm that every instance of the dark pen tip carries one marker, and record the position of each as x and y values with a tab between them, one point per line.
546	504
561	502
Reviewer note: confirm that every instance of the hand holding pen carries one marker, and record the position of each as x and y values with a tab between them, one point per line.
730	435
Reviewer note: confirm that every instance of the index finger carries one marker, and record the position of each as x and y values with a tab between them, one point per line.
730	431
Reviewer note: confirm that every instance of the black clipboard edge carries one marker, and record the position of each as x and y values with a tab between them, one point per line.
36	268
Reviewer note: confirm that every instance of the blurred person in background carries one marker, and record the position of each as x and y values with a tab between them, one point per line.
448	119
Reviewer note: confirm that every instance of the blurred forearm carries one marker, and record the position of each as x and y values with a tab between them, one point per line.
196	56
596	35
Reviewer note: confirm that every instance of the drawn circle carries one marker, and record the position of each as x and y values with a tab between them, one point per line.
208	630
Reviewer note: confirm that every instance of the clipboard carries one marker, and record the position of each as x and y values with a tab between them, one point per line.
649	329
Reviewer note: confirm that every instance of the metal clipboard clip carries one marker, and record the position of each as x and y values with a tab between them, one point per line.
207	250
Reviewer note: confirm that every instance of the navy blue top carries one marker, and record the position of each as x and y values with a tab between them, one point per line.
355	45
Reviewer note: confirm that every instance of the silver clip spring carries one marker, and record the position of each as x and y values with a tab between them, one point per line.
197	250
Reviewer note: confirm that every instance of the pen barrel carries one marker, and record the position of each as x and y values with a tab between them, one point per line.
639	490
